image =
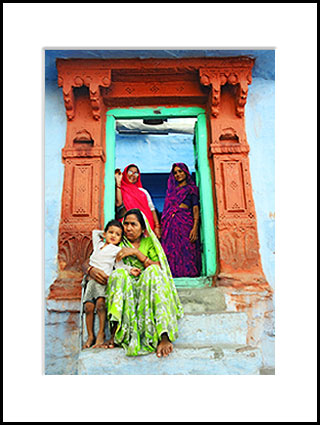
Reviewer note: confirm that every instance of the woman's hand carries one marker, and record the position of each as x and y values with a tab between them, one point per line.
135	271
118	177
157	232
126	252
98	275
193	236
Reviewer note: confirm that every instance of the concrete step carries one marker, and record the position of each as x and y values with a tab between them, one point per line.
202	300
205	329
184	360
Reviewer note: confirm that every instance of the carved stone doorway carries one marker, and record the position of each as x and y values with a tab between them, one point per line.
219	86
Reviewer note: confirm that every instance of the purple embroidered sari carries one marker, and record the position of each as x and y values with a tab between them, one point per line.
183	256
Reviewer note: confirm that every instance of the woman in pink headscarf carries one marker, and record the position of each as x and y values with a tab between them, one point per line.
130	194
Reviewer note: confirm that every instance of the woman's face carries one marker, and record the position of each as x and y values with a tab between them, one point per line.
133	174
179	174
132	227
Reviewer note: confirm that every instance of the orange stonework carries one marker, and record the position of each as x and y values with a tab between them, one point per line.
90	87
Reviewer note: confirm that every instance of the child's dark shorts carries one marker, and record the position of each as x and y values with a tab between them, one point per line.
93	291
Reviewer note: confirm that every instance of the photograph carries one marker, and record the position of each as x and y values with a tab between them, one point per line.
159	224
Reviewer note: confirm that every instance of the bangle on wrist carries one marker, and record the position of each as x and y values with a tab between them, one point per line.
157	226
88	269
119	187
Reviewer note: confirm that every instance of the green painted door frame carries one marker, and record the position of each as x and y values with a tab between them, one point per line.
203	177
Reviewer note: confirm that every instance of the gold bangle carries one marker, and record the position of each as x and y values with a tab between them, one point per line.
89	269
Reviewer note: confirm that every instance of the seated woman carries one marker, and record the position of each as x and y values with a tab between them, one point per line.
179	222
131	194
142	311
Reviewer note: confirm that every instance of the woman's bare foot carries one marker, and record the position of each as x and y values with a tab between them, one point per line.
99	340
110	343
165	346
89	342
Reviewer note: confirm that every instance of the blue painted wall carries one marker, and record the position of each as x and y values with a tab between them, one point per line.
260	134
260	128
55	136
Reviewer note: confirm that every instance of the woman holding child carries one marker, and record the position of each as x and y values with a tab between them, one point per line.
142	311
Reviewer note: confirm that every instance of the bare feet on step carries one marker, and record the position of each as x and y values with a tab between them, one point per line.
165	346
99	340
110	343
89	342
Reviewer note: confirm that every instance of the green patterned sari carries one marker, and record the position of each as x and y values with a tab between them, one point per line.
143	307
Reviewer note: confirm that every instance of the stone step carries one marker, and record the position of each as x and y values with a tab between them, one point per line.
205	329
184	360
202	300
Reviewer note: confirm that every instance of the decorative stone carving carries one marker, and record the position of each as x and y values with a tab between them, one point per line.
236	224
228	136
93	78
69	101
209	77
83	135
238	247
95	98
215	78
74	249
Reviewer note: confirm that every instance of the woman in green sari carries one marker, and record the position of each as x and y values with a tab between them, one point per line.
142	311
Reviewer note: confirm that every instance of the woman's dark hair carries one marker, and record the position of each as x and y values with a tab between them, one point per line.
139	216
115	223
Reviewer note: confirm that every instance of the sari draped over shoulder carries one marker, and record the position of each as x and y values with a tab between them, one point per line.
143	307
183	256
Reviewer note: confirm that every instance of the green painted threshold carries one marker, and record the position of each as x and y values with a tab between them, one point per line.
193	282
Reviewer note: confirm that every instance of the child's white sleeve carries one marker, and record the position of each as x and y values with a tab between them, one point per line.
96	237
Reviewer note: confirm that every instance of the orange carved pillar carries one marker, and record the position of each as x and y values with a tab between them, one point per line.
237	236
84	158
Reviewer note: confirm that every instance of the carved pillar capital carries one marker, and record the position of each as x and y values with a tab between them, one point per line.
211	77
91	78
217	77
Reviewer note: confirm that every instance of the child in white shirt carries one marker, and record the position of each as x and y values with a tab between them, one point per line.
105	250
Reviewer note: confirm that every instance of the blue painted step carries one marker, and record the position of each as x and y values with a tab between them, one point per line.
213	360
207	329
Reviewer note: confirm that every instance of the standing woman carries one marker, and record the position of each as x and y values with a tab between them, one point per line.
180	221
131	194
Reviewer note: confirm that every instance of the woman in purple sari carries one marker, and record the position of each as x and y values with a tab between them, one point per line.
179	222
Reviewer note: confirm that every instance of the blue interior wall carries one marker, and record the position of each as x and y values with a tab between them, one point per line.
259	128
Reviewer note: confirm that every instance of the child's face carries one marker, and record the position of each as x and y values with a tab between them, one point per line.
113	235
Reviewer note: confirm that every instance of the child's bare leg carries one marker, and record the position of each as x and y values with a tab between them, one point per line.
89	310
101	310
110	342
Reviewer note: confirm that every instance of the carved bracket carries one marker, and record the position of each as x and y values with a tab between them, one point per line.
92	79
74	249
218	77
